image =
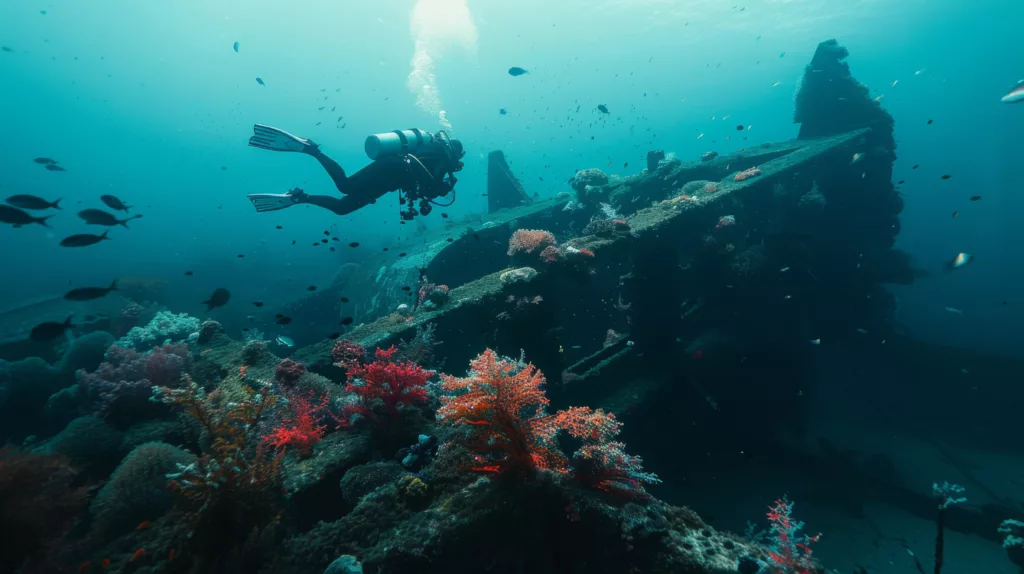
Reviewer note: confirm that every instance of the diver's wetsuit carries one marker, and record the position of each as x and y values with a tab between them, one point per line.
383	176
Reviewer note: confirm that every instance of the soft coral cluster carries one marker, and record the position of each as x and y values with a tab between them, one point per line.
790	551
530	241
123	381
502	407
303	430
385	383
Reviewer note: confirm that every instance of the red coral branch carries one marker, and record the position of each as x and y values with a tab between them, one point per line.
303	430
386	383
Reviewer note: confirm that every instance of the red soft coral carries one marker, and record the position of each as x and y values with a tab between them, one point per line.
303	430
386	382
529	241
502	403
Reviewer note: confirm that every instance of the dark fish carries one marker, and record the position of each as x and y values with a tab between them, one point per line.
219	298
258	303
6	49
402	254
956	214
975	198
385	249
739	128
323	241
54	167
279	227
90	293
260	81
115	203
327	232
188	273
50	330
100	217
516	71
603	109
502	111
83	239
946	176
235	47
45	161
623	165
406	288
443	215
347	321
354	244
25	201
900	182
17	217
240	256
915	166
283	320
930	122
344	299
450	239
311	288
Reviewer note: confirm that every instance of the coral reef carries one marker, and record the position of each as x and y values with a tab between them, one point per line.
387	384
165	328
288	372
120	388
303	429
529	241
91	444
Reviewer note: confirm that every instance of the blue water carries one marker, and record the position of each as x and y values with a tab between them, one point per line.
149	103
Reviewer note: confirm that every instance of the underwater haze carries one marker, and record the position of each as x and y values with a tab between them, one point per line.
827	312
150	103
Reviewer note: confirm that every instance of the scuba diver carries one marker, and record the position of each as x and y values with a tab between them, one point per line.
419	164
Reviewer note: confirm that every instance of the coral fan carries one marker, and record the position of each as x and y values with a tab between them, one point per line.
288	372
37	503
529	241
303	430
501	403
790	552
121	385
346	352
386	382
232	493
747	174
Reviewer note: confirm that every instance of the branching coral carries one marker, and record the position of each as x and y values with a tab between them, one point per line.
347	352
502	407
303	430
387	383
502	404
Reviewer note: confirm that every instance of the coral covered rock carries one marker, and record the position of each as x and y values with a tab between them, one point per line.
164	328
362	480
137	490
89	443
521	275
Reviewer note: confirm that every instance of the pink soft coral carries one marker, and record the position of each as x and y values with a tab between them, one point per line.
387	383
529	241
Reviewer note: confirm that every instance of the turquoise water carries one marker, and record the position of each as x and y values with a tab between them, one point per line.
149	103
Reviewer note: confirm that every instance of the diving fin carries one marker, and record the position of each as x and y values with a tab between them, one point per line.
271	201
273	139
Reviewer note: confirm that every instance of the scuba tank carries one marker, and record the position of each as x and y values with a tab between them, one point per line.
398	142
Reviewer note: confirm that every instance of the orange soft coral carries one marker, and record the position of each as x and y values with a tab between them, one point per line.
501	403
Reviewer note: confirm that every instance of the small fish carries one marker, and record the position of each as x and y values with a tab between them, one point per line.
90	293
956	214
344	299
960	260
916	166
1015	96
240	256
100	217
502	111
279	227
138	554
347	321
54	167
726	221
49	330
603	109
45	161
311	288
282	320
115	203
26	201
143	525
776	84
402	254
189	274
739	128
954	310
235	47
406	288
893	85
862	331
946	176
220	297
815	341
284	341
708	156
354	244
784	269
516	71
930	122
258	303
83	239
323	241
17	217
444	216
975	198
856	158
6	49
259	81
782	55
